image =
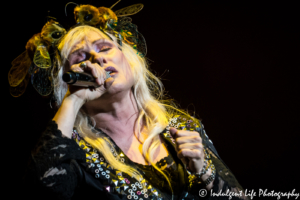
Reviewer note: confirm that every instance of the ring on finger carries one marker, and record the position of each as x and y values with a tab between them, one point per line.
82	65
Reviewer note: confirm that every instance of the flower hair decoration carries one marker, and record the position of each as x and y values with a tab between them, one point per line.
36	63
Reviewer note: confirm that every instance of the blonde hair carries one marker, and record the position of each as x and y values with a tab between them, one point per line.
147	90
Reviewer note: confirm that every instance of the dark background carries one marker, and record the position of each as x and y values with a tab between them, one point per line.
234	64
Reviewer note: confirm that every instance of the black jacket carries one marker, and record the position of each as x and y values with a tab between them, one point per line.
82	172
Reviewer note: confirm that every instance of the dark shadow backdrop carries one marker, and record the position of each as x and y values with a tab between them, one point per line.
235	65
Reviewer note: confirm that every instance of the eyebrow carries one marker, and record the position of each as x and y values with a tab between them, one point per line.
102	39
95	41
76	50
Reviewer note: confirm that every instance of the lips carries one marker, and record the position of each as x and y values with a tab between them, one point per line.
111	70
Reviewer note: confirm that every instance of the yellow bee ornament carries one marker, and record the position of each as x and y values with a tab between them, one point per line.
35	61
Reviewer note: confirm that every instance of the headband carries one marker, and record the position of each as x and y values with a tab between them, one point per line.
36	63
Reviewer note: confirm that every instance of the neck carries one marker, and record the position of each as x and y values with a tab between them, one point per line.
115	115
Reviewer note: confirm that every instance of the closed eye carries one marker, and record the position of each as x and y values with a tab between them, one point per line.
104	49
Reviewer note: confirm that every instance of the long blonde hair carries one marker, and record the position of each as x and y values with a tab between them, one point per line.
147	90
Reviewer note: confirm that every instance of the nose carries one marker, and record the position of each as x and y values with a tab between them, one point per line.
96	58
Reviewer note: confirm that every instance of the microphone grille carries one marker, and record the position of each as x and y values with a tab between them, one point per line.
68	77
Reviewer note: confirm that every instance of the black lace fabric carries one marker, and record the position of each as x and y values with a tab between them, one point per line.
229	188
52	162
52	169
225	185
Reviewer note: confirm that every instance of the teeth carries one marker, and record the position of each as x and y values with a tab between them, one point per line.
109	72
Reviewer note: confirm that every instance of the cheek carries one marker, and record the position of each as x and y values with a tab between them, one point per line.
124	65
127	70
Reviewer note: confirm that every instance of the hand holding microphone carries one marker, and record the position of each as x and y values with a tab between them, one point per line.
87	81
81	78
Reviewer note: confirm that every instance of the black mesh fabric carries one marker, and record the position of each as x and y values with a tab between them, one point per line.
51	170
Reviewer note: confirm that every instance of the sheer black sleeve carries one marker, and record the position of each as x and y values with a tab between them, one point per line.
54	163
225	185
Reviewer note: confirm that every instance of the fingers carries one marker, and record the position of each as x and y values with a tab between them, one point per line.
96	71
175	133
190	153
190	146
92	68
182	137
188	143
188	139
189	150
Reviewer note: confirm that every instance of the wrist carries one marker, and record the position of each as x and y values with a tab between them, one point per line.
66	114
206	176
74	101
209	178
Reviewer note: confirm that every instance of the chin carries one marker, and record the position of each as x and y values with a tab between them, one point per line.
117	88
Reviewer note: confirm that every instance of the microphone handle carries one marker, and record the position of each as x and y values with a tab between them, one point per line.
81	79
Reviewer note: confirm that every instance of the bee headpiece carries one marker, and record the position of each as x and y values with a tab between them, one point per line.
35	64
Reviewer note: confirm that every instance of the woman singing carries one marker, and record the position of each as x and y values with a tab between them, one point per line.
118	139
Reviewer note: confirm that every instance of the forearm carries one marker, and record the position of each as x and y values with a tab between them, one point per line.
66	115
52	163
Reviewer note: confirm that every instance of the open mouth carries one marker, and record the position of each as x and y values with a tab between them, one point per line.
111	70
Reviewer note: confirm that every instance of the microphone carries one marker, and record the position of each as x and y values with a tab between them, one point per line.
82	79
